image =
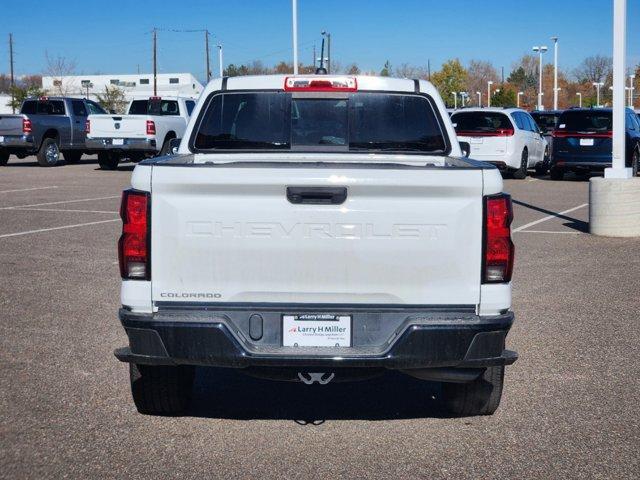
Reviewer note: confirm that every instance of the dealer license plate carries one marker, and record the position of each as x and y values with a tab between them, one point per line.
1	139
316	330
586	142
118	141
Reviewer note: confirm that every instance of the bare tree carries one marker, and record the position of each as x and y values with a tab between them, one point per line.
60	68
353	69
113	99
409	71
478	74
594	69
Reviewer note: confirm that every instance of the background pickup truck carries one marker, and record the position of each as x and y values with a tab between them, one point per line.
317	229
145	132
47	126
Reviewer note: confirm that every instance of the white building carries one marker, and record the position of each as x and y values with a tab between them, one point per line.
133	85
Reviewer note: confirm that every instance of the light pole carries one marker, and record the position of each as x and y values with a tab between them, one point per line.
479	94
221	65
518	101
489	83
598	85
540	50
463	98
328	35
579	99
455	100
294	30
555	73
631	89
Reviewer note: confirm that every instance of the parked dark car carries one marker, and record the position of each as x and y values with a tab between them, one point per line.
582	141
547	121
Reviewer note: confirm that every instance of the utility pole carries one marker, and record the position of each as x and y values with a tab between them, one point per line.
429	68
155	62
328	53
314	57
206	48
502	74
13	108
294	29
220	64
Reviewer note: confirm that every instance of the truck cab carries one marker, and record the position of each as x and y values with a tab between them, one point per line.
317	229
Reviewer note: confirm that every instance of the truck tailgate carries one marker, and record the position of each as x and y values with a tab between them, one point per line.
230	234
10	125
125	126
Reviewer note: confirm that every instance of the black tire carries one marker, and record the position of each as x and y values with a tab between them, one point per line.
161	390
72	156
166	147
521	173
635	162
4	158
108	160
556	173
480	397
49	153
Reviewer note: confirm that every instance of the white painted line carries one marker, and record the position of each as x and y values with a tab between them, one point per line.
549	217
550	231
27	189
17	234
26	209
60	202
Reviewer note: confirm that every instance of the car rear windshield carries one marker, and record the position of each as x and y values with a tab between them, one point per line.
349	122
43	107
585	121
154	107
480	122
546	121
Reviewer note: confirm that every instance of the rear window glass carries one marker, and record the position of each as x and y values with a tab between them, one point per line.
43	107
480	122
352	122
585	121
154	107
546	121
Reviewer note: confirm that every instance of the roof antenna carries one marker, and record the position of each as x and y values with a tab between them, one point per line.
321	70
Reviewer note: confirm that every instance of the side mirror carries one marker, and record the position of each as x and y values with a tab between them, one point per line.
466	149
174	145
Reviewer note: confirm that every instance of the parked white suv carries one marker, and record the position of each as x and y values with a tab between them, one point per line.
317	229
506	137
146	131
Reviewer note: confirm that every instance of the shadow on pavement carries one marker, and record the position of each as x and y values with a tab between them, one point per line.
229	394
573	223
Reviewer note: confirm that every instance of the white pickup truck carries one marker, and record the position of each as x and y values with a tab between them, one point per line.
317	229
145	132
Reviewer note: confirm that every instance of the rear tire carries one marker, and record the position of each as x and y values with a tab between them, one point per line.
166	147
161	390
49	153
556	173
4	158
108	160
480	397
72	156
521	173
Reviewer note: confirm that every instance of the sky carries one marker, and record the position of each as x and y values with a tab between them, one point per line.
114	36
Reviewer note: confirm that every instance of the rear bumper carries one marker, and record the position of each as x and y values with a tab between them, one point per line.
18	142
128	145
417	340
581	165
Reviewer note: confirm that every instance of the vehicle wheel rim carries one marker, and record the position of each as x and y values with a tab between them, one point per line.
52	154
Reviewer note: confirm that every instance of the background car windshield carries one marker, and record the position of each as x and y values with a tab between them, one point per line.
480	122
354	122
585	121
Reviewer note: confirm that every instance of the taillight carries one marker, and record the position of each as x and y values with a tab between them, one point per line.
501	132
26	126
151	127
498	247
566	134
134	243
87	126
320	84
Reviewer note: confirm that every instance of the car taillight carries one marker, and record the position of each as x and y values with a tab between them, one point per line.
151	127
498	247
134	245
501	132
566	134
87	126
26	126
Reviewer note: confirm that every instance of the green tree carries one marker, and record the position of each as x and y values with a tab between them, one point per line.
20	93
386	70
353	69
113	99
506	97
451	78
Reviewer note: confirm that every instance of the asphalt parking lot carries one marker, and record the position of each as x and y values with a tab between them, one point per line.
569	410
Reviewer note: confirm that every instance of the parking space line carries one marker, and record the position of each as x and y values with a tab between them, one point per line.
29	232
60	202
28	189
549	217
27	209
550	231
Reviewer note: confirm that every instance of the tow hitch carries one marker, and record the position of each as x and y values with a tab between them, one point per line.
315	377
